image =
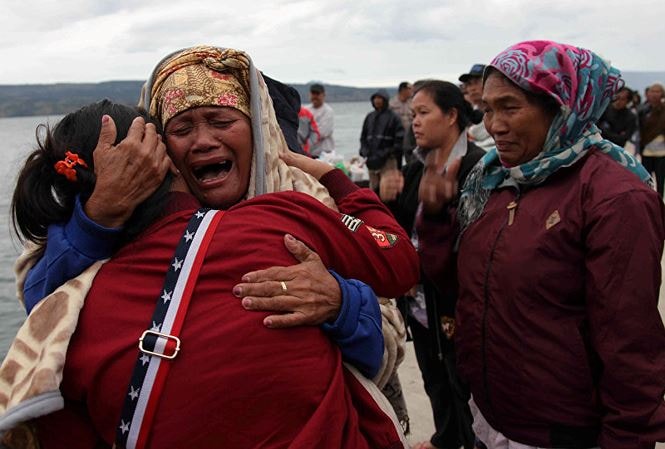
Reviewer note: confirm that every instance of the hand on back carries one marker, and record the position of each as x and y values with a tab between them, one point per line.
314	167
305	294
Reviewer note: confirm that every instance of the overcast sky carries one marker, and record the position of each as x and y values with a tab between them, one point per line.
348	42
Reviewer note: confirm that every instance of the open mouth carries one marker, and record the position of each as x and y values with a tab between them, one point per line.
212	172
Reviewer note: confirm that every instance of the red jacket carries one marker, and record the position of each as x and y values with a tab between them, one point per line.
235	383
558	332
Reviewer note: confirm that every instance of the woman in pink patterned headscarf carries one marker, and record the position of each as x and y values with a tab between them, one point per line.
556	244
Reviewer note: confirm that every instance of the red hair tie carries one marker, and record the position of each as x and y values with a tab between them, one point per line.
66	166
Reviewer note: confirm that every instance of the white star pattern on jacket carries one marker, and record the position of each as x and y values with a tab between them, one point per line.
134	392
166	296
177	264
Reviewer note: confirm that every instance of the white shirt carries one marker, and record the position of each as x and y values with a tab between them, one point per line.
325	119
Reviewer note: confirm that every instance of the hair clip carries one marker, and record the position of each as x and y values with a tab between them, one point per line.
66	166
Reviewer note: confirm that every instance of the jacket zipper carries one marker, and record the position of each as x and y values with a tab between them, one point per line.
512	206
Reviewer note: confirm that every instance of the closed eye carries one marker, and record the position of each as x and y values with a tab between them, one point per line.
221	123
180	131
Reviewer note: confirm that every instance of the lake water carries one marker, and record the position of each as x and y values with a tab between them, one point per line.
17	138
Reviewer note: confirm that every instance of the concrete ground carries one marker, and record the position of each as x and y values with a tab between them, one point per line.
420	412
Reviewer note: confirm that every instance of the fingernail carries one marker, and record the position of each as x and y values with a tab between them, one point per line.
245	278
247	303
290	238
237	291
105	119
267	322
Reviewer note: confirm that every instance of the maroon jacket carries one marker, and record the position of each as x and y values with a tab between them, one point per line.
223	390
558	332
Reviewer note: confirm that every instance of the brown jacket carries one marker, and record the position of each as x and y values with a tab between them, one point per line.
652	124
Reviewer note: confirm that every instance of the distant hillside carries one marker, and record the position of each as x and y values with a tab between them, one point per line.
335	93
55	99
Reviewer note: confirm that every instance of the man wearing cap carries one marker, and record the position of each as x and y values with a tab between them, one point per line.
473	86
324	117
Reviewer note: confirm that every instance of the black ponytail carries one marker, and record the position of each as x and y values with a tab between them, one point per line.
42	196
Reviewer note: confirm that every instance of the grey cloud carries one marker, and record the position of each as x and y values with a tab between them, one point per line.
174	32
373	40
116	6
397	22
51	17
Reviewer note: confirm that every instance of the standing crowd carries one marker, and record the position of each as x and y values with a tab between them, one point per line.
192	281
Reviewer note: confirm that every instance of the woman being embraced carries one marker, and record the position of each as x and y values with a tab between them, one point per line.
236	382
558	263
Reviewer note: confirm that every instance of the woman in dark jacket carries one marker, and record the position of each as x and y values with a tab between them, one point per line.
558	264
441	116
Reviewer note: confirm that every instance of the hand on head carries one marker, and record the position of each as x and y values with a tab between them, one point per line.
126	173
438	189
305	294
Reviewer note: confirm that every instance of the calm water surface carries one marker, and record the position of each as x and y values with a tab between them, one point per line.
17	139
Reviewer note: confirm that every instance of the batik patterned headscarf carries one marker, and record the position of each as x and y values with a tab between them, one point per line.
197	85
583	84
213	76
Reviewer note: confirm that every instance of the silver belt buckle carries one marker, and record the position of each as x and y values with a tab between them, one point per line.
159	334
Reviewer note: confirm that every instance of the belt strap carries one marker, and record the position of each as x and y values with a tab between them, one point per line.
159	344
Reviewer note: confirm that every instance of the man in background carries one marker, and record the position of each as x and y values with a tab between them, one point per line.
618	123
652	134
325	119
472	86
381	139
400	104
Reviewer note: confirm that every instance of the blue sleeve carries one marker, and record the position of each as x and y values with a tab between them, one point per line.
70	248
357	329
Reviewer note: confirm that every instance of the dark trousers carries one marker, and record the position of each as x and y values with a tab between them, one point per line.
656	165
449	399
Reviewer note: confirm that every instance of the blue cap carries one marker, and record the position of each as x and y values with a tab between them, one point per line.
475	72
